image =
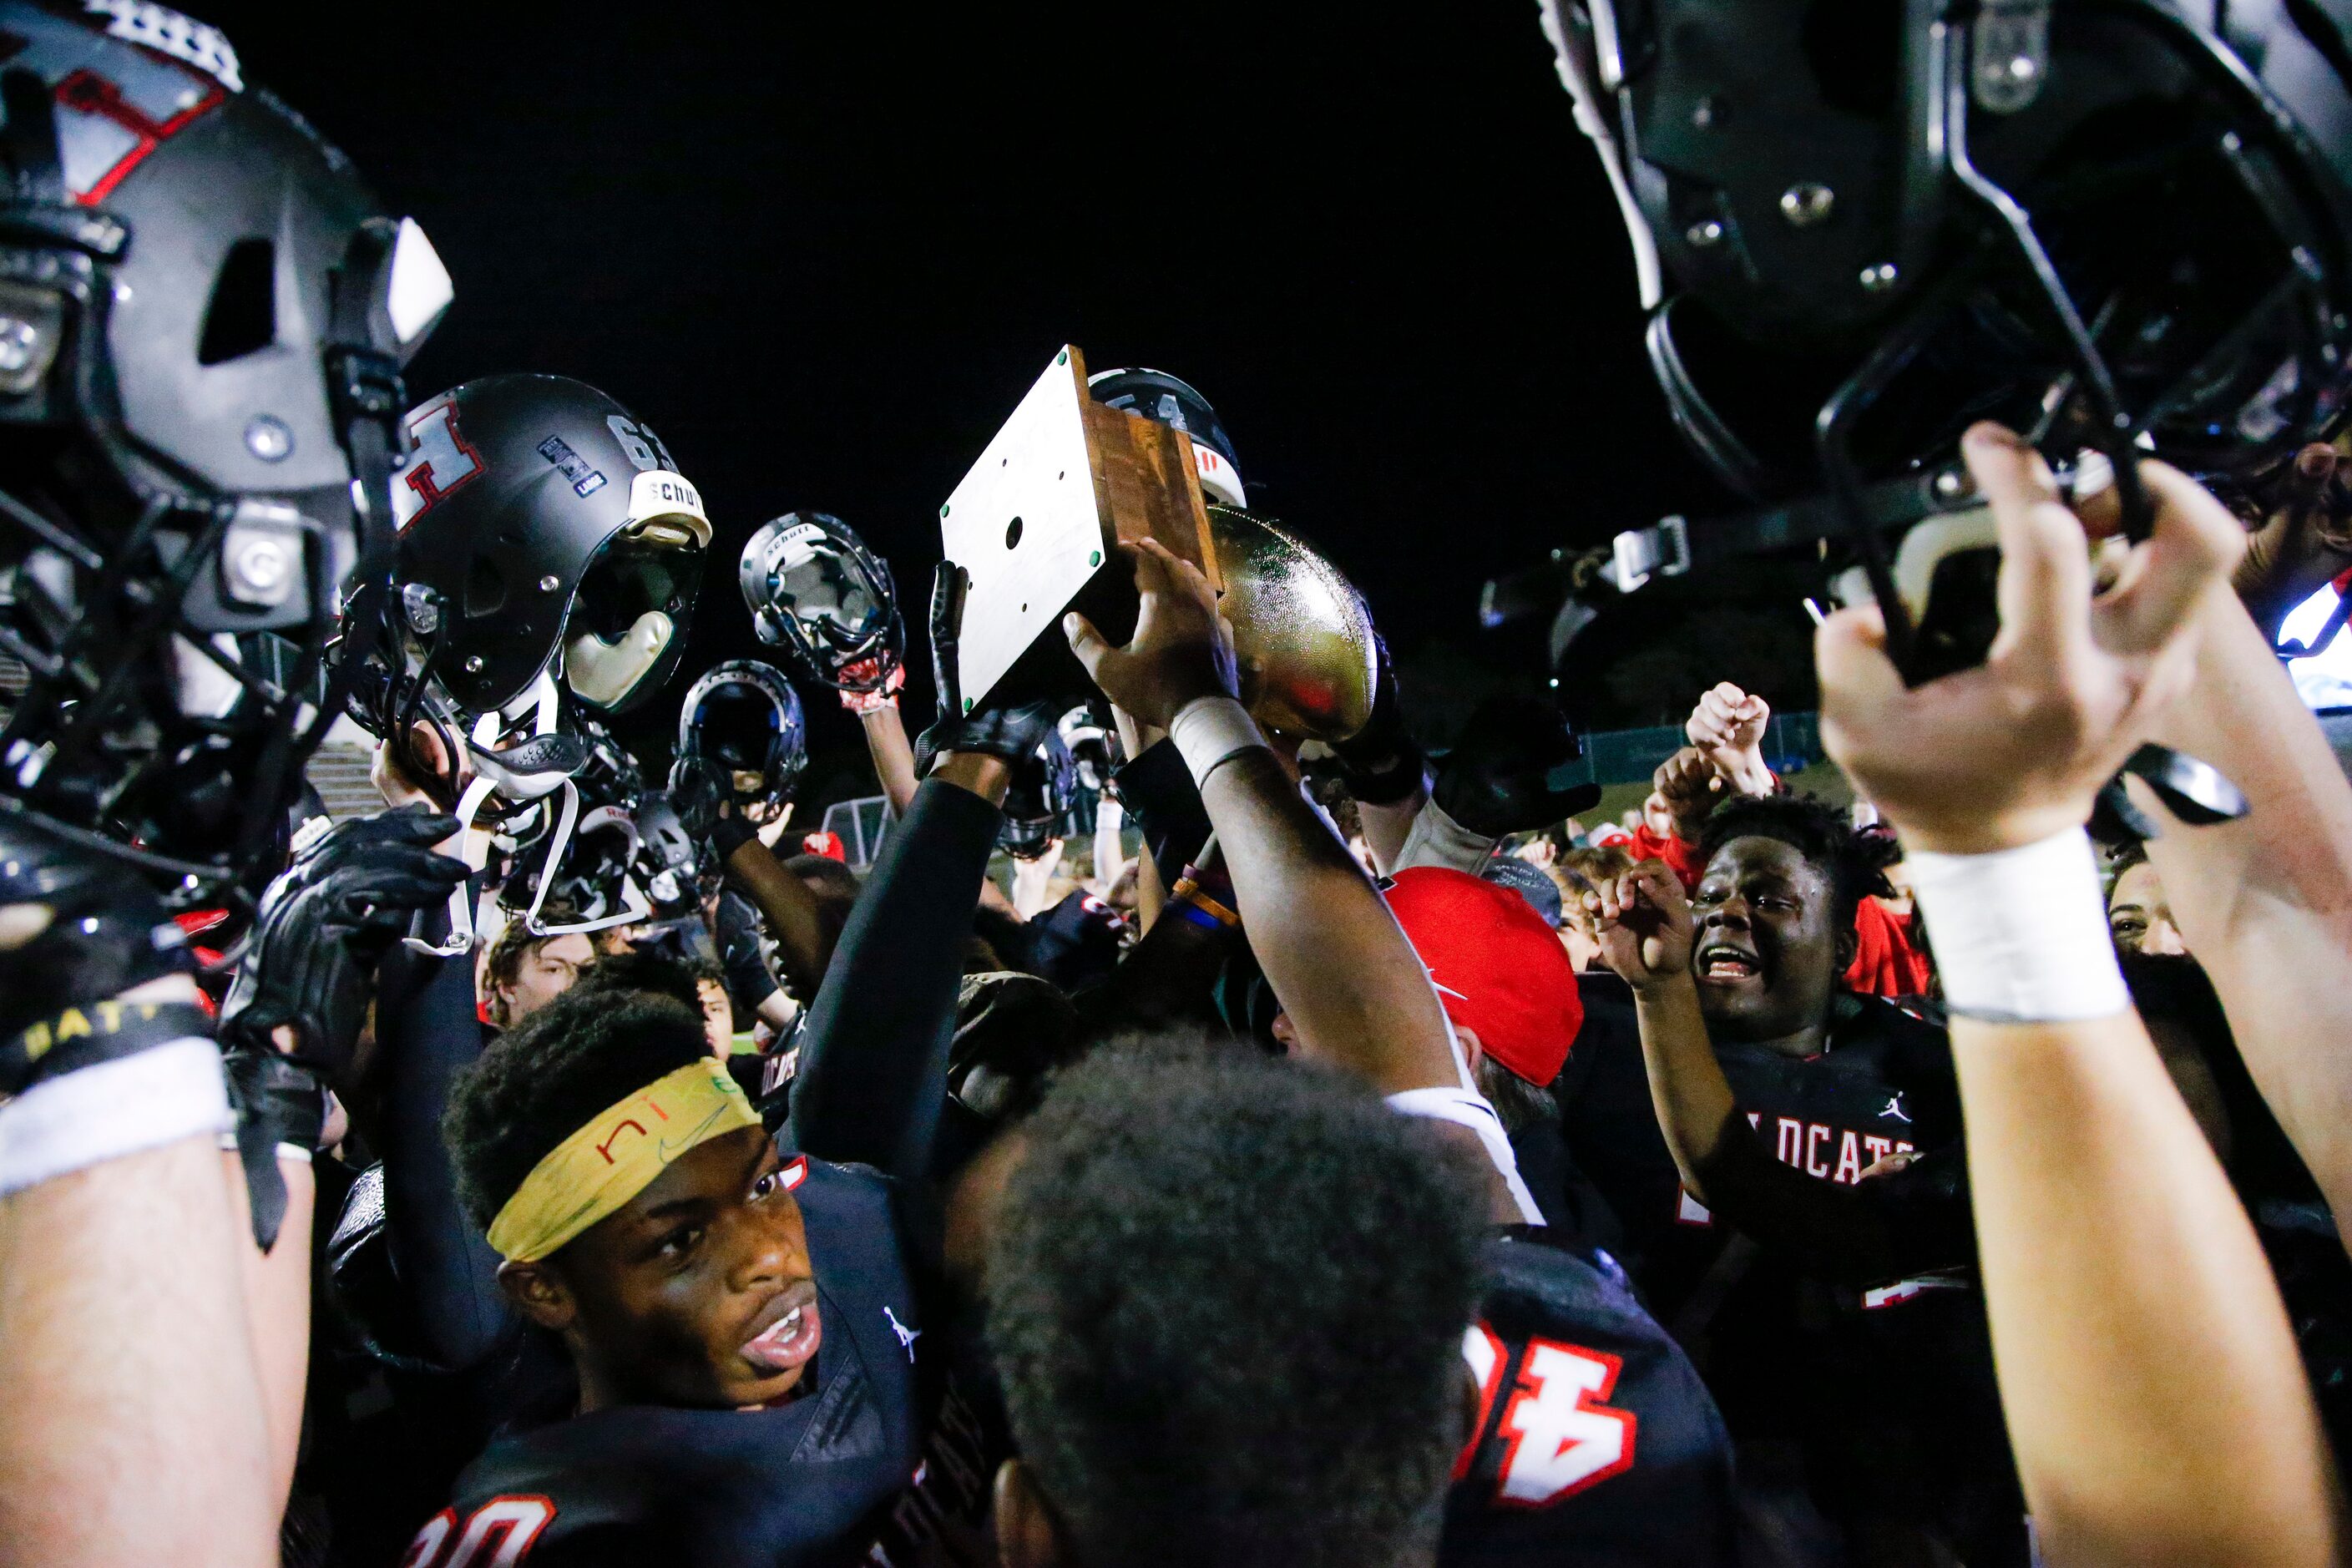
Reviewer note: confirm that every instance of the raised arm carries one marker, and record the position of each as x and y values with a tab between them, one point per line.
1348	979
2265	903
784	901
136	1430
2114	1257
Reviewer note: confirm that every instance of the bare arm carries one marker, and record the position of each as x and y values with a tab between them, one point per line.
2265	903
277	1306
2116	1259
1350	983
894	757
2135	1328
136	1431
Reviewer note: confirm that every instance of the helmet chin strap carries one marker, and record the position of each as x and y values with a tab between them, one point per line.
474	849
635	906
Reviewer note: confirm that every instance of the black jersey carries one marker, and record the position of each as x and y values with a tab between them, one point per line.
1596	1441
824	1479
1885	1086
1885	1388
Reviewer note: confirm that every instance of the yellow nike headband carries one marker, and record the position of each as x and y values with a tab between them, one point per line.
597	1170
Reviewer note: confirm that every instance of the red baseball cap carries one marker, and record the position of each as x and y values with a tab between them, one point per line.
1500	972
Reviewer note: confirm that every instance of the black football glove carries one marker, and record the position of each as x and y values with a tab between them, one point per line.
326	922
1010	733
1496	780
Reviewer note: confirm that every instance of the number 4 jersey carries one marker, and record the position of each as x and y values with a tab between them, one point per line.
1596	1441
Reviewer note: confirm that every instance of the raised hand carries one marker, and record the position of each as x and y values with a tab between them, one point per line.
1690	786
326	922
1727	725
1644	923
2015	750
1181	648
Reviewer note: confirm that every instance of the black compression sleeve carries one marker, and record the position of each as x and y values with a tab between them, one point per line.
425	1030
873	1058
1158	788
749	984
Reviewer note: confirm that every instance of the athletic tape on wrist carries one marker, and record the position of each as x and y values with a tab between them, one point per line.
2020	935
127	1106
1212	731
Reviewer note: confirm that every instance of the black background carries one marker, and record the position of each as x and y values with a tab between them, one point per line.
823	252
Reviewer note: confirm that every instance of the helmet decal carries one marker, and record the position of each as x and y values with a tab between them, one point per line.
441	462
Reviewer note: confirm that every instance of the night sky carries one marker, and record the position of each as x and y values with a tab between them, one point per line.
823	254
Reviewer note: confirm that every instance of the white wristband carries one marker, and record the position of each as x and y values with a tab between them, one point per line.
2020	935
103	1112
1212	730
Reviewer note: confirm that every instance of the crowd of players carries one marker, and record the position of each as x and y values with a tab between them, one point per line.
577	1162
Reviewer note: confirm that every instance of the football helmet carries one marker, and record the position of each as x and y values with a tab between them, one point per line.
1155	395
2118	228
1038	802
203	314
745	719
814	589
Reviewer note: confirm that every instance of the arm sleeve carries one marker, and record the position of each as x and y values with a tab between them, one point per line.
873	1058
1157	788
427	1029
749	983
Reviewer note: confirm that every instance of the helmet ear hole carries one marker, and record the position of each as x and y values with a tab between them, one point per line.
242	318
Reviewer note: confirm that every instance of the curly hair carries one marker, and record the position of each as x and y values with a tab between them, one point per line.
502	964
1226	1298
1813	828
540	1081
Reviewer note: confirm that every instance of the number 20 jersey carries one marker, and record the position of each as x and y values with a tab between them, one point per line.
1596	1442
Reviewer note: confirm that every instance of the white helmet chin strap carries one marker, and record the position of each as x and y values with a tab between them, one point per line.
474	849
635	906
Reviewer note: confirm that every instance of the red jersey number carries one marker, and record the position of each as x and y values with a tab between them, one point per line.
1560	1435
499	1535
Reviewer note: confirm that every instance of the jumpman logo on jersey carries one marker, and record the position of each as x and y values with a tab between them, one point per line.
907	1336
1895	1108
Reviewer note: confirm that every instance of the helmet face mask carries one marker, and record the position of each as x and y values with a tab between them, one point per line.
201	331
743	728
1860	228
1038	802
814	588
576	851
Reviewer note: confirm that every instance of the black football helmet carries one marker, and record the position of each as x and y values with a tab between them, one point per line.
544	527
1155	395
814	589
1039	803
2118	225
574	855
203	312
669	861
744	719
